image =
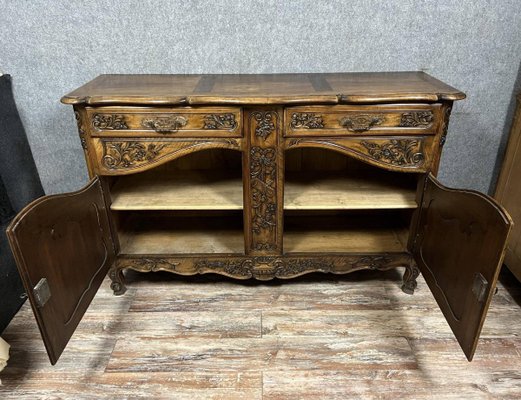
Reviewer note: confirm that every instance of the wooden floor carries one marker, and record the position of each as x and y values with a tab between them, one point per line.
318	337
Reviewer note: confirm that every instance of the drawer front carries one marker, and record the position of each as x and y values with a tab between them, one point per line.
121	156
161	122
396	153
386	119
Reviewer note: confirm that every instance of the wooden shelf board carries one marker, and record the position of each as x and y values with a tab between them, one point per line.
344	234
182	235
338	191
178	190
213	235
208	190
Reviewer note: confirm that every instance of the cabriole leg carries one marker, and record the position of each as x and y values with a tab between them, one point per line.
118	280
409	278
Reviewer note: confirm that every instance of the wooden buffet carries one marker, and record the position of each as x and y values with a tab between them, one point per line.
261	176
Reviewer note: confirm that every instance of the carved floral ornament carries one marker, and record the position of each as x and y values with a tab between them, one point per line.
402	152
267	267
81	130
445	126
220	121
263	174
265	123
416	119
109	122
306	120
263	267
127	154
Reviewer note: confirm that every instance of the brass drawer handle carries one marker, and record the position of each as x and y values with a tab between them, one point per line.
165	125
361	122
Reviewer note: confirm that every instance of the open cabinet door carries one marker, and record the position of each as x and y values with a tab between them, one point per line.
63	249
458	244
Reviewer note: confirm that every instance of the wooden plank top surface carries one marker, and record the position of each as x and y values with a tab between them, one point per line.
330	88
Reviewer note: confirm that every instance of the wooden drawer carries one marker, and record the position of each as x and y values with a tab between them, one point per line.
161	122
385	119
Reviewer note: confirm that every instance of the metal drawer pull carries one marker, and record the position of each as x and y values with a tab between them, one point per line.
165	125
361	122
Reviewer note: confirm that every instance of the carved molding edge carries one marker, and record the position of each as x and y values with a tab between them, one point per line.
154	265
81	130
109	122
268	267
220	121
306	120
265	121
402	152
445	126
263	185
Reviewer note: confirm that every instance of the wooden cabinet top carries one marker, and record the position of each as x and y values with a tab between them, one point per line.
330	88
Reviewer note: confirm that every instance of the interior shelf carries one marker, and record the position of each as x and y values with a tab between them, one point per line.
345	233
164	233
178	190
222	190
338	190
170	233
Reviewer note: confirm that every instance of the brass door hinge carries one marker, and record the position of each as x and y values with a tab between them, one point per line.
479	287
42	292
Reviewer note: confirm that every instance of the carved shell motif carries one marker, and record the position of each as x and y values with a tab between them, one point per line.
264	268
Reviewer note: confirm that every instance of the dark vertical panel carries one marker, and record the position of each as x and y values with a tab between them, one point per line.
19	184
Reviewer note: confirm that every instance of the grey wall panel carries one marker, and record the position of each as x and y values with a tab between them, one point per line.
51	47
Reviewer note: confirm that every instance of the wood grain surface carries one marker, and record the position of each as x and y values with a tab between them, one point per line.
508	191
355	336
262	89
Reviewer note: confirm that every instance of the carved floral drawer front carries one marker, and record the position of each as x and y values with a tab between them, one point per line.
120	156
360	120
399	153
161	122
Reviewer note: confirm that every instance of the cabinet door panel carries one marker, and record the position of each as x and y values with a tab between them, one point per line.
459	246
63	249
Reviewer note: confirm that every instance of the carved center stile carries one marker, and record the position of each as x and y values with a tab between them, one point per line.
263	192
263	181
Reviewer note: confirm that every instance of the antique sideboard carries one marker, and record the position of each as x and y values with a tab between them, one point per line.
261	176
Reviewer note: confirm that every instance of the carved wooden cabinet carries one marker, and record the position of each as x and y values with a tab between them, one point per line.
261	176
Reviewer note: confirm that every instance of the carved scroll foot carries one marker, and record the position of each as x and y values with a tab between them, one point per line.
409	278
118	281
